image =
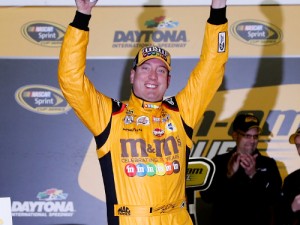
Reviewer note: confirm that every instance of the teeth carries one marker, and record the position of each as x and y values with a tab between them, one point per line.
150	86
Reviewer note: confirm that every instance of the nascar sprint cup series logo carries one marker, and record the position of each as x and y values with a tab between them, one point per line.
44	33
256	32
42	99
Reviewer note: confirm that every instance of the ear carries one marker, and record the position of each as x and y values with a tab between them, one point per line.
234	135
168	80
132	74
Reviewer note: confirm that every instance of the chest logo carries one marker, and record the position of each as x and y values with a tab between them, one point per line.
171	127
128	120
158	132
143	120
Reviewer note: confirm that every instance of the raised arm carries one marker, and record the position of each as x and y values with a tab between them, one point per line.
88	103
207	76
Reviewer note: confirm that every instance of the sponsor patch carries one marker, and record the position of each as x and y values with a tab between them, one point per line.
128	119
150	106
152	169
222	42
158	132
143	120
124	211
171	127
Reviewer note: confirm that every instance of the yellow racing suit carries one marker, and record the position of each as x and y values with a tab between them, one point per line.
143	147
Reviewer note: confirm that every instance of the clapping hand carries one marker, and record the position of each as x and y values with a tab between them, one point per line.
246	161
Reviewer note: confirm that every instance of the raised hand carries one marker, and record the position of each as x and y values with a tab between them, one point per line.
85	6
216	4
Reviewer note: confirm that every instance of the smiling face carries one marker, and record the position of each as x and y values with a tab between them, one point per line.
150	80
246	142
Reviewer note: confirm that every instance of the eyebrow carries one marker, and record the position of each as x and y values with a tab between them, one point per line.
161	65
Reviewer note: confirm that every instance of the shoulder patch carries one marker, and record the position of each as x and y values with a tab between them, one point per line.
171	103
117	106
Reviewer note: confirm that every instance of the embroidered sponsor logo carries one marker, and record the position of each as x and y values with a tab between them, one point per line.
144	159
118	102
164	208
168	207
151	169
128	119
170	101
166	118
124	211
151	106
155	119
143	120
222	42
158	132
133	129
171	127
156	51
182	205
137	148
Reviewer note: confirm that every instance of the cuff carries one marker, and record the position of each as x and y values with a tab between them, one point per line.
217	16
81	21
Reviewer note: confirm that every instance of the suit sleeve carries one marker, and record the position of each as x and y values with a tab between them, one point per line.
81	94
207	76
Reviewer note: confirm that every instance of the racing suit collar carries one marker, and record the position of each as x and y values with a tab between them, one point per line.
143	103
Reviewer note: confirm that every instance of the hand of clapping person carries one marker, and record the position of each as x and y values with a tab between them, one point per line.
246	161
296	203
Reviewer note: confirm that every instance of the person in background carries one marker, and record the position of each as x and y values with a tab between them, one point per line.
143	145
291	190
246	187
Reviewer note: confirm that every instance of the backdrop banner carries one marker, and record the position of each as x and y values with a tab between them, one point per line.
144	2
49	168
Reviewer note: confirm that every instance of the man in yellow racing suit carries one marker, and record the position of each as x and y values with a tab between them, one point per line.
143	146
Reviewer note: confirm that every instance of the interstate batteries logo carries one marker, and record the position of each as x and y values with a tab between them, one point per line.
44	33
256	32
51	203
42	99
160	30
